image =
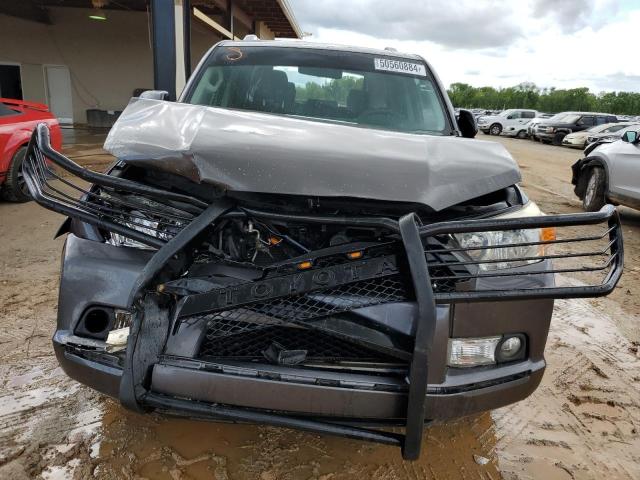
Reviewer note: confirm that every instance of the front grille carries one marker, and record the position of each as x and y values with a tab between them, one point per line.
298	308
244	333
250	345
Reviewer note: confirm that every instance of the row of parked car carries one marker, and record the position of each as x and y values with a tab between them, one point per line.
608	171
570	129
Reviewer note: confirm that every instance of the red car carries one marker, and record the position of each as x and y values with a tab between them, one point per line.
17	120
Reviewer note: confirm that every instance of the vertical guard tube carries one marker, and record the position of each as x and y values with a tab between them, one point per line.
424	331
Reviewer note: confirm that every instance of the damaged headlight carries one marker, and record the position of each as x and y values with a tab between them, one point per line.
486	246
143	225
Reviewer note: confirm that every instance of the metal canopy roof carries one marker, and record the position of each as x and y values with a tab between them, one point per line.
276	14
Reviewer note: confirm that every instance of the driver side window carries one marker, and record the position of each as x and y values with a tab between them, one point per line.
514	116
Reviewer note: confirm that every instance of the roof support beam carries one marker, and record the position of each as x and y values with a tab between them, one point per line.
164	46
238	13
26	10
213	24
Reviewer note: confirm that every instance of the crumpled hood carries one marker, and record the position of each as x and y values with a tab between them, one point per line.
256	152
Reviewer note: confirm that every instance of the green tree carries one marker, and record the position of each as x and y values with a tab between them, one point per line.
551	100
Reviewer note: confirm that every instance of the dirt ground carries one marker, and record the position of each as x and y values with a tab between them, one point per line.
582	423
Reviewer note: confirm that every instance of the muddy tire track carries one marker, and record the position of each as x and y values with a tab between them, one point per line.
584	419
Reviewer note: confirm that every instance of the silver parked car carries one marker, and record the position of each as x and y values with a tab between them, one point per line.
579	139
310	238
610	173
608	136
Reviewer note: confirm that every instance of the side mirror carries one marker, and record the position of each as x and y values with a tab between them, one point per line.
630	137
467	124
155	95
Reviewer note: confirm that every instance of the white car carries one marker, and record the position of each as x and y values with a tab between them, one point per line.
495	124
610	173
579	139
519	130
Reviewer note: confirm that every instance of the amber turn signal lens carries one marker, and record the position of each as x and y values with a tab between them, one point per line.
548	234
274	240
304	265
354	255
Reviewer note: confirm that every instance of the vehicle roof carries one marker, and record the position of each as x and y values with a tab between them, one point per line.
588	113
317	46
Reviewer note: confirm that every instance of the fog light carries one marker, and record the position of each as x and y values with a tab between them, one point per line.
472	352
510	347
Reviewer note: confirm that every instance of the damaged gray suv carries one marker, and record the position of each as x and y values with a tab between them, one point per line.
311	238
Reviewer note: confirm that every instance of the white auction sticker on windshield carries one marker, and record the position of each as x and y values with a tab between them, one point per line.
400	66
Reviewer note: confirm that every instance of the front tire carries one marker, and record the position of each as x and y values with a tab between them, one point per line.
557	139
594	199
15	188
522	134
495	129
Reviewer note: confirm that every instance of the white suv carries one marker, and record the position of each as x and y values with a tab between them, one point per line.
494	124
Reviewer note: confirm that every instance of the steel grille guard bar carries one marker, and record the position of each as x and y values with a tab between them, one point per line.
413	237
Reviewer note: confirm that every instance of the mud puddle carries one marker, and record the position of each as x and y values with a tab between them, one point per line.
151	447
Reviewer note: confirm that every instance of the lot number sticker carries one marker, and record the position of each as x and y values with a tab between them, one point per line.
400	66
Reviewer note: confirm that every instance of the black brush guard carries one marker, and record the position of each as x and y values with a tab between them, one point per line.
425	247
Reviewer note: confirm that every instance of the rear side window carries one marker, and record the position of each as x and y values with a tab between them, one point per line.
601	120
528	114
586	121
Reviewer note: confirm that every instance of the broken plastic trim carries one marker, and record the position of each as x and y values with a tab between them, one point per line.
112	211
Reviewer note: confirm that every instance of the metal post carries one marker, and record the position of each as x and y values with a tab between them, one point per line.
229	17
186	22
164	46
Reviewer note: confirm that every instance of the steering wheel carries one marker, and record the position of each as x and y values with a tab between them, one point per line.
379	116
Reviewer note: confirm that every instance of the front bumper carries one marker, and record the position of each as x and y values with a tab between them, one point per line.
512	131
451	392
402	305
574	142
545	136
261	387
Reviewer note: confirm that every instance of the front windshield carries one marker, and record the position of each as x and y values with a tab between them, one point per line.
325	85
614	128
566	118
629	128
604	128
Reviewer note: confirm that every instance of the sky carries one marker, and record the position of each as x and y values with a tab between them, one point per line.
552	43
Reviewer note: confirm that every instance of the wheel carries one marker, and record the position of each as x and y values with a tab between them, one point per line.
522	134
15	188
593	199
546	142
495	129
557	139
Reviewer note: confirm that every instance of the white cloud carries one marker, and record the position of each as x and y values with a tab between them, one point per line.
583	43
